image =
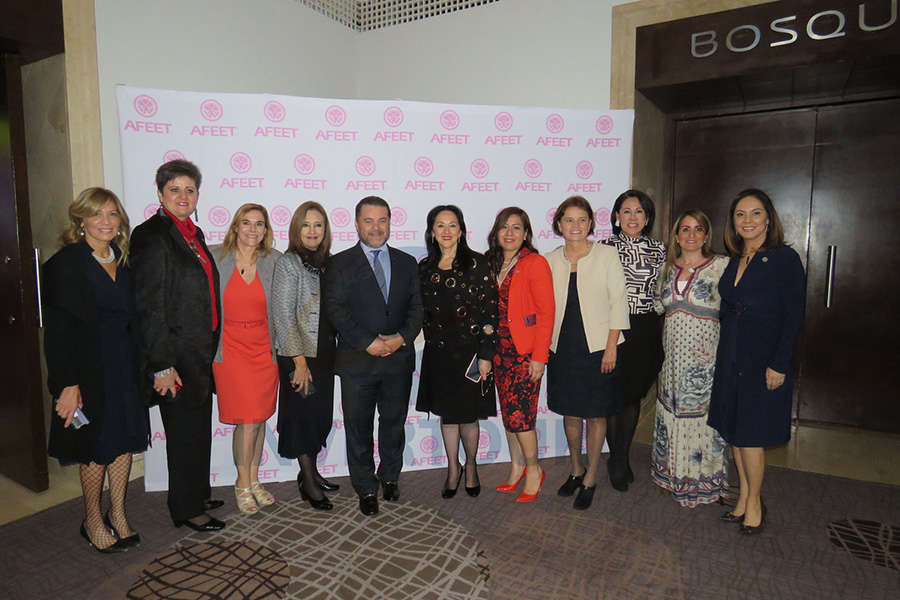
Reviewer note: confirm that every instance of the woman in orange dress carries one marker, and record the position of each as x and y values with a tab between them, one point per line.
244	368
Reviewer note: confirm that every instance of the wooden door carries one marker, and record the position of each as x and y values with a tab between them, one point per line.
852	350
23	448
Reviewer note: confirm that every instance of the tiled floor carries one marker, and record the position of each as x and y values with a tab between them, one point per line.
840	451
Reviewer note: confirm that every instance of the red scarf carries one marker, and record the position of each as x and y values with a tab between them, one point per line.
188	231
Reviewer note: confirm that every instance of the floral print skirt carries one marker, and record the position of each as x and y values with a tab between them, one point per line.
518	394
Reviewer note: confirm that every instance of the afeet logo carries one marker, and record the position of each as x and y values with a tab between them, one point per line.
604	124
274	111
428	444
335	115
551	212
555	123
211	110
450	119
365	165
480	168
145	106
393	116
304	164
423	166
150	210
172	155
281	215
584	169
219	216
503	121
398	216
533	168
340	216
240	162
484	439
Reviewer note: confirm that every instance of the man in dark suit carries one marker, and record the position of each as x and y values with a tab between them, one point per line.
372	297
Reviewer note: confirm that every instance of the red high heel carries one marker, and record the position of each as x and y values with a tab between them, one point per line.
523	497
506	488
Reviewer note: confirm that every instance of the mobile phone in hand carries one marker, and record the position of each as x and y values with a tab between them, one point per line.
310	389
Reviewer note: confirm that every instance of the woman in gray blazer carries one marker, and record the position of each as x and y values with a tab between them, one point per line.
244	367
304	340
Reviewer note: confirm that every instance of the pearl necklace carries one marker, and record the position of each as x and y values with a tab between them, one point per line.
105	261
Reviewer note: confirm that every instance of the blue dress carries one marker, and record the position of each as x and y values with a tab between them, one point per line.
760	319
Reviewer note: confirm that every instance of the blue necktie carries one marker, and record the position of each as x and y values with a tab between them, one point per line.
379	274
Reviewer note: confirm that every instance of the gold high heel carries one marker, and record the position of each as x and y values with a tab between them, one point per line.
245	501
263	497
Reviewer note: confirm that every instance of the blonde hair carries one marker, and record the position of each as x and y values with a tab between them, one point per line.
86	205
230	241
673	250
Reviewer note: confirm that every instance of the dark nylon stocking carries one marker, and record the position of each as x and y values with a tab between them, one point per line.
450	433
308	475
470	433
620	433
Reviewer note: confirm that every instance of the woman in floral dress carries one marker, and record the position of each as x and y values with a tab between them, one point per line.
689	458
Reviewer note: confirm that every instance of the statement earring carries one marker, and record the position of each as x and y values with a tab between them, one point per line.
617	223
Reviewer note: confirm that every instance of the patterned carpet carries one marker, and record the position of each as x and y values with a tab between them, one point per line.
826	537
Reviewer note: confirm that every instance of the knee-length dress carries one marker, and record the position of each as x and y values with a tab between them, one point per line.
517	393
689	457
460	323
246	379
761	319
576	385
101	337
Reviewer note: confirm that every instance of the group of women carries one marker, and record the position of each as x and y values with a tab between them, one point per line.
158	318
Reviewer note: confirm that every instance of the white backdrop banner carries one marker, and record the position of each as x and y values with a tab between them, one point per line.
279	151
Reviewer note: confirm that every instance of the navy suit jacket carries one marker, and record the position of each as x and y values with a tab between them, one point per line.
354	304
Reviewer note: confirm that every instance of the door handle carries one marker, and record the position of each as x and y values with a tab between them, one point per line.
37	282
829	275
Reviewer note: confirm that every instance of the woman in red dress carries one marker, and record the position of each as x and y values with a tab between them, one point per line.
244	368
525	327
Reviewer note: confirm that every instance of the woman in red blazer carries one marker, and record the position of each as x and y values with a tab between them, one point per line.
524	330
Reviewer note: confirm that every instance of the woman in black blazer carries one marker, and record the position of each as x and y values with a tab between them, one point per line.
89	343
763	293
176	294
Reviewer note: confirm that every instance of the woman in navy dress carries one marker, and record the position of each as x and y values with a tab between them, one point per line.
763	294
89	343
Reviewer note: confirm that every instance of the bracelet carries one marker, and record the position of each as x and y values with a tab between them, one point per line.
163	373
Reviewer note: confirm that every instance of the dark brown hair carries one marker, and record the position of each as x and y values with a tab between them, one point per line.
177	168
734	243
673	250
494	253
295	242
570	202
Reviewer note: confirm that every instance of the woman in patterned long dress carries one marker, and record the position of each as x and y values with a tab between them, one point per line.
689	457
640	357
525	327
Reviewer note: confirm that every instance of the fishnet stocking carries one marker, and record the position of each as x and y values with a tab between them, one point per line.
308	473
469	432
91	487
118	472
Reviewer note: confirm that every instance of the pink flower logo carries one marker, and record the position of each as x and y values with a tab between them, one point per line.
480	168
281	215
145	105
423	166
172	155
484	440
365	165
304	164
533	168
393	116
450	119
240	162
555	123
219	216
503	121
335	115
150	210
604	124
211	110
601	215
322	455
551	212
584	169
398	216
264	458
428	444
274	111
340	216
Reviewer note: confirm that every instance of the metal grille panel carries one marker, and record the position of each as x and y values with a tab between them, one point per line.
366	15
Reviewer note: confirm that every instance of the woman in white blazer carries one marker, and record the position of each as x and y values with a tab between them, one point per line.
591	312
